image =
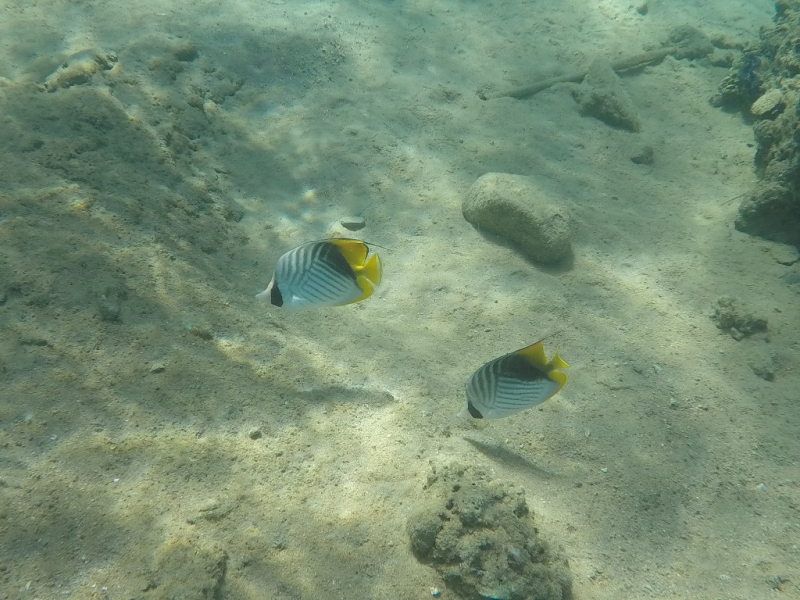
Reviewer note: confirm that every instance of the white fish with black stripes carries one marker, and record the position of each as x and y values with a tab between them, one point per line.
514	382
330	272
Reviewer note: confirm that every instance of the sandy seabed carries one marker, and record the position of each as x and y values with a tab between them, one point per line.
163	435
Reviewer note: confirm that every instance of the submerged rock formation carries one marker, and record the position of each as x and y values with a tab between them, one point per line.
764	83
479	534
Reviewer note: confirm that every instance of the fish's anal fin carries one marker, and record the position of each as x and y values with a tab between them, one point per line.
559	377
366	289
266	294
468	410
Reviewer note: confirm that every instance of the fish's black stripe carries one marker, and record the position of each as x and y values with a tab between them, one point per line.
334	258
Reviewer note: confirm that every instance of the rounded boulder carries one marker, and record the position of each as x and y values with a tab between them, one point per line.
513	208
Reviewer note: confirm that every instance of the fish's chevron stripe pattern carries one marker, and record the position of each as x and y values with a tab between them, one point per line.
513	393
316	274
508	385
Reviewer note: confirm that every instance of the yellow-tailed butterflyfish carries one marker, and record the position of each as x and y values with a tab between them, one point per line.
329	272
513	383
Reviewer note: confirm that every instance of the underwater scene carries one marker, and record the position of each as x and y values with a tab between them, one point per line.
399	300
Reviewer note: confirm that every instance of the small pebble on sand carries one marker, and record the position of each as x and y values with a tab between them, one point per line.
353	223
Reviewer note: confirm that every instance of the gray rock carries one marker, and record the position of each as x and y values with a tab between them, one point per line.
646	156
784	254
763	365
110	305
353	223
512	207
771	211
602	96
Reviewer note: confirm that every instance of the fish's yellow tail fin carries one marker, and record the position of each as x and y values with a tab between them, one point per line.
554	374
373	269
558	363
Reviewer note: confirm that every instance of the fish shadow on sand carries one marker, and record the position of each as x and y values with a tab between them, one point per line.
510	459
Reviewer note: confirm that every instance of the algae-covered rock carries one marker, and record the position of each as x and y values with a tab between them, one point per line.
479	534
769	105
79	68
730	315
512	207
742	87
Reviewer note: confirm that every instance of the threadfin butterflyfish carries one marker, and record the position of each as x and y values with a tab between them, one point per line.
514	382
329	272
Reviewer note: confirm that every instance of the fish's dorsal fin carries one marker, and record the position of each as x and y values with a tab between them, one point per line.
354	251
534	354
